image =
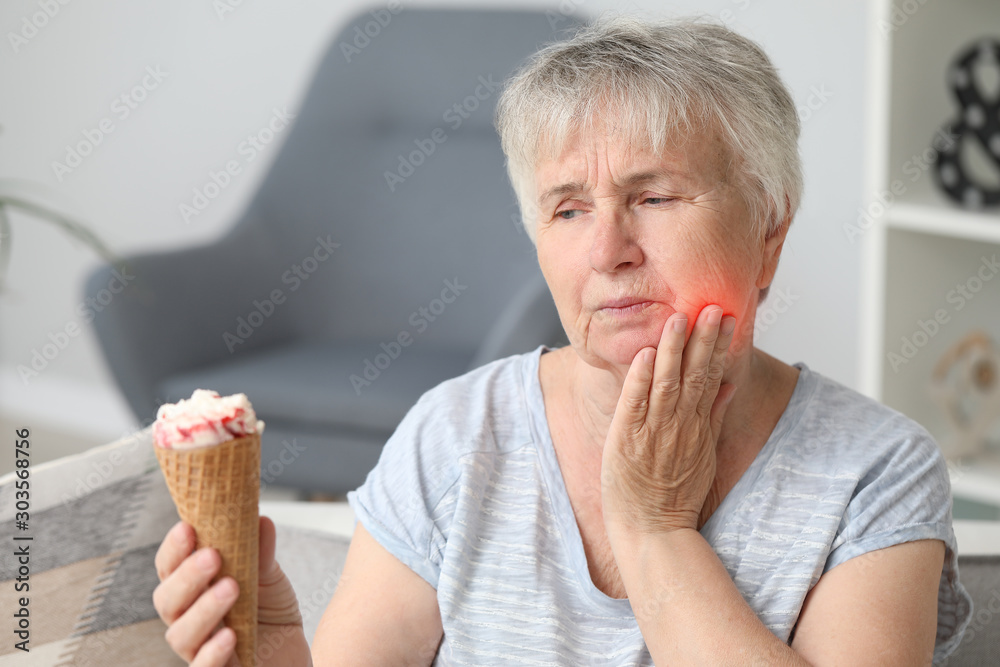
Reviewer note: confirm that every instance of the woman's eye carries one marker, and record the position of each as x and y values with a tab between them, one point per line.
562	214
656	200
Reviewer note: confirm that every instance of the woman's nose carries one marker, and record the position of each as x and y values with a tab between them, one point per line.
613	247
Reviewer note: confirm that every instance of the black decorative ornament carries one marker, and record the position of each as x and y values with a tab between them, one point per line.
979	120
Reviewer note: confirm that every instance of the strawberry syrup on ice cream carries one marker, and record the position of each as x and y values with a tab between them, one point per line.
204	420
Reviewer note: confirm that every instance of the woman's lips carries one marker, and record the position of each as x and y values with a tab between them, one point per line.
625	307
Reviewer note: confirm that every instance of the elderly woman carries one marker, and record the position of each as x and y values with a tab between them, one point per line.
659	491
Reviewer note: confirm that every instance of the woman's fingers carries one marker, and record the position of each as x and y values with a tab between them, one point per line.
717	365
695	376
187	634
184	585
633	404
276	600
217	651
719	408
176	546
191	605
268	543
667	373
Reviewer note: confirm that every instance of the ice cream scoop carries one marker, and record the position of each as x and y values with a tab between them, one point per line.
204	419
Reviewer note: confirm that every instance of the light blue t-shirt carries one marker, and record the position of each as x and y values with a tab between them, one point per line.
469	495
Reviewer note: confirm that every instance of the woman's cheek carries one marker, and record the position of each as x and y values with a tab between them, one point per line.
727	289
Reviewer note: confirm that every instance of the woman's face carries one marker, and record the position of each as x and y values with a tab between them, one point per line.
627	237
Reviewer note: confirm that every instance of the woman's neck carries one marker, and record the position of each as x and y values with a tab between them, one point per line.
593	394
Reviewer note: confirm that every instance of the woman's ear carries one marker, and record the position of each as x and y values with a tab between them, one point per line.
771	250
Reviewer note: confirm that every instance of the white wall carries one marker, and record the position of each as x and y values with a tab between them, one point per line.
221	76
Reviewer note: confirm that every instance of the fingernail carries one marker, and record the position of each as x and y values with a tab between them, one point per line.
714	317
225	589
680	324
205	560
728	324
177	534
226	638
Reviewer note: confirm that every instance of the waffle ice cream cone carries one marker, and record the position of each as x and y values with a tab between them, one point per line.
216	488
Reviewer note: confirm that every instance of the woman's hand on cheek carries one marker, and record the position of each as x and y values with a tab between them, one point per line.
659	459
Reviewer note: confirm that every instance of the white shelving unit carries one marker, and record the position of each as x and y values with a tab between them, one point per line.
919	246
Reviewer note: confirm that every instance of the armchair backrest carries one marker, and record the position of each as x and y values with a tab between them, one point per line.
393	155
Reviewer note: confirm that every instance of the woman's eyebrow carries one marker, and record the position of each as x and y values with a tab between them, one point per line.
562	189
630	180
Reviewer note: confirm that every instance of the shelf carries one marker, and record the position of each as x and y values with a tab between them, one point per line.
977	538
936	293
977	480
969	226
928	276
920	100
923	210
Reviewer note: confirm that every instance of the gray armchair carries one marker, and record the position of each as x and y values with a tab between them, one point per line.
380	255
980	574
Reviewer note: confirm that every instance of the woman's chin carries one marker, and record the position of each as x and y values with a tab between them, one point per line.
620	349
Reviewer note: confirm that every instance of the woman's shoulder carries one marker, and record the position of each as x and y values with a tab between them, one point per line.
833	423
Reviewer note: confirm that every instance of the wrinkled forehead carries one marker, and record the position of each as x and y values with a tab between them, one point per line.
628	151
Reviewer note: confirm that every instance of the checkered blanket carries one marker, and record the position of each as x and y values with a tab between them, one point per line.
96	521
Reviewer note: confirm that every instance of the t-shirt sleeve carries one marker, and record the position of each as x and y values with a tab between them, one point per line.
906	496
398	501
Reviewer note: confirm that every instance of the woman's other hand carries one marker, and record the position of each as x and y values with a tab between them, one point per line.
659	460
193	608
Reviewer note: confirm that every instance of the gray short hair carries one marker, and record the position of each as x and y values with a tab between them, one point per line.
657	82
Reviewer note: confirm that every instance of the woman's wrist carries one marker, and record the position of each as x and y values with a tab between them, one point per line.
632	534
283	646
